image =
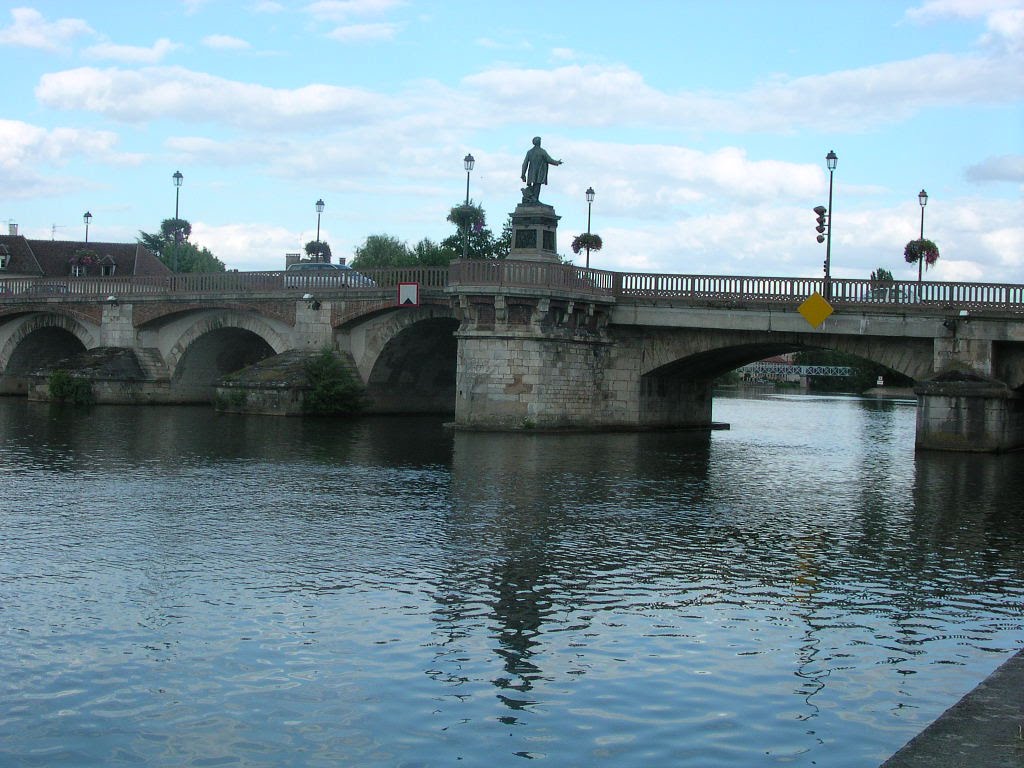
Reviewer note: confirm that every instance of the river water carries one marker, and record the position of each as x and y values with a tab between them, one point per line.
180	588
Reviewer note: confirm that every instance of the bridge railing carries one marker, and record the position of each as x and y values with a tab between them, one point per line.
699	289
531	274
926	295
219	282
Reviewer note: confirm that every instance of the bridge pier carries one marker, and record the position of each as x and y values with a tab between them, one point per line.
958	413
551	362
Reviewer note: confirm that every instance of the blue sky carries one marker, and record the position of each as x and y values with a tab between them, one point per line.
702	126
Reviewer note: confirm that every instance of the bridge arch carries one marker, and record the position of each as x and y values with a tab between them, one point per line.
217	344
408	359
706	355
40	339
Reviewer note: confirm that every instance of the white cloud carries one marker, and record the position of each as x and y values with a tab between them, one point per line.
30	155
132	54
850	100
342	10
963	9
175	92
31	30
25	144
362	33
225	43
255	246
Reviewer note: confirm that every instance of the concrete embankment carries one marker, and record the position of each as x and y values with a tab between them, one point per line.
982	730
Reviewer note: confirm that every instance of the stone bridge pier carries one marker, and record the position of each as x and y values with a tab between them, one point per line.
551	362
973	400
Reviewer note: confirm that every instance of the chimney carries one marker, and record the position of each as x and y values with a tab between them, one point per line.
291	258
12	229
341	260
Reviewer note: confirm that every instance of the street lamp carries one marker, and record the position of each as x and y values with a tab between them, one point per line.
467	162
178	178
319	210
831	159
87	217
590	201
922	198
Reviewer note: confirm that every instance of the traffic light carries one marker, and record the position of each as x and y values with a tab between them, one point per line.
821	210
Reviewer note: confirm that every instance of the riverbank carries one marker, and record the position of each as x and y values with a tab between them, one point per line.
984	728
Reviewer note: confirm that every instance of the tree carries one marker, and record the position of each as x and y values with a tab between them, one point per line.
430	254
383	251
318	250
171	245
881	275
186	257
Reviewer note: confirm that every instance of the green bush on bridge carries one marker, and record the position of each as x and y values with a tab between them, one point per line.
334	390
65	388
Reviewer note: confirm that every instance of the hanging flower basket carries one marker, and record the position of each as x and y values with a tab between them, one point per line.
918	250
467	217
585	241
85	257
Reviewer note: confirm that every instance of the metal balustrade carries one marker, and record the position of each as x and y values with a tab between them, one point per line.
707	290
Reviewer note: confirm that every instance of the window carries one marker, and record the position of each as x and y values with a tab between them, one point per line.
107	269
5	257
78	270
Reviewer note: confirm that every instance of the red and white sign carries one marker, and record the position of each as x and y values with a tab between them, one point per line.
409	294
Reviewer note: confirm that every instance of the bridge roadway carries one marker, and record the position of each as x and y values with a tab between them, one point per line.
512	345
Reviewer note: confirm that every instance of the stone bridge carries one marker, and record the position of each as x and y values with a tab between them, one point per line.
521	345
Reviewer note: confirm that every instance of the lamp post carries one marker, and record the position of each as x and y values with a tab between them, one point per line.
178	178
467	162
319	210
87	217
590	202
922	198
831	159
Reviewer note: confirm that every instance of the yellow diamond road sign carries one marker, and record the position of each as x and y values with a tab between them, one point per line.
815	309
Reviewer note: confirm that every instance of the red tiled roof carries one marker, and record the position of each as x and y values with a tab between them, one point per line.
52	258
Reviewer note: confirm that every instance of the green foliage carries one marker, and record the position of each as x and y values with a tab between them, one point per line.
334	389
318	251
186	257
379	251
65	388
172	247
881	275
233	400
865	373
430	254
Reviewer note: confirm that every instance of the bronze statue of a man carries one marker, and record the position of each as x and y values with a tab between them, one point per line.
535	171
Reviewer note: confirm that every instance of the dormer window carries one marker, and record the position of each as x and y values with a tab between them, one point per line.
5	257
78	270
107	267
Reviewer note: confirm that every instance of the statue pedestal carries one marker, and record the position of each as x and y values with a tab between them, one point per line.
534	227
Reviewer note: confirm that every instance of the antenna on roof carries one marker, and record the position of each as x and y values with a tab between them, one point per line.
54	228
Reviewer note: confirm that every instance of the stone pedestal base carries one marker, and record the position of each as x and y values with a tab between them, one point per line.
974	416
534	229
